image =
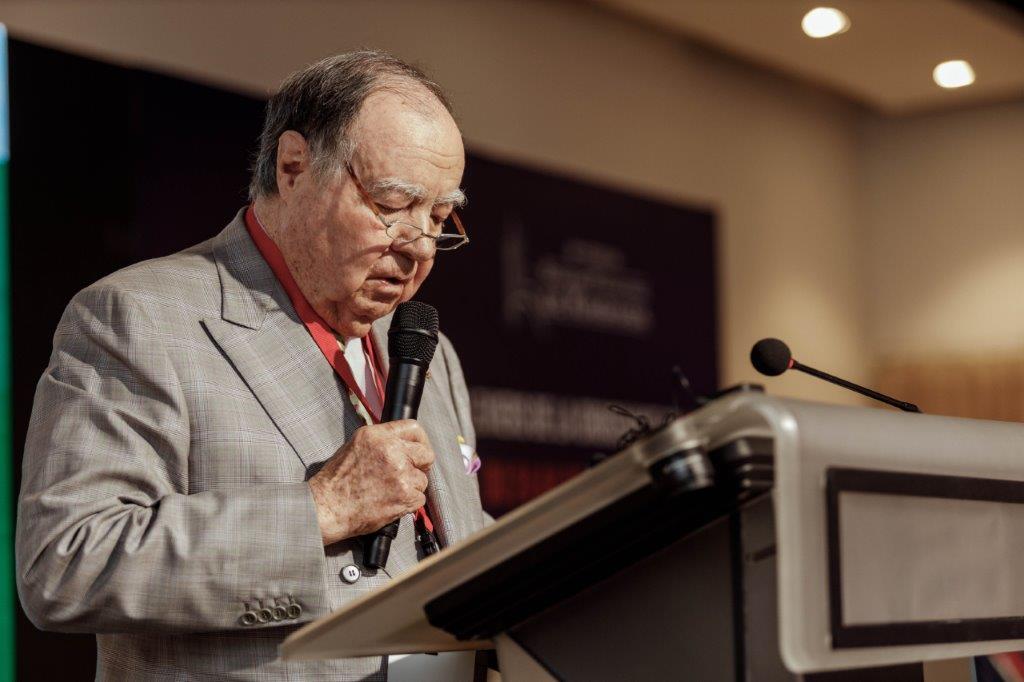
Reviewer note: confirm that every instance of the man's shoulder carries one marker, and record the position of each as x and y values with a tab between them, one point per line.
187	279
186	283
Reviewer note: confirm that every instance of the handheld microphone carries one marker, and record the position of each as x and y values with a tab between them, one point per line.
412	340
772	357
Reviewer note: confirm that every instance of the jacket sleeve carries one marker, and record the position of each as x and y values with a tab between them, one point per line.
108	537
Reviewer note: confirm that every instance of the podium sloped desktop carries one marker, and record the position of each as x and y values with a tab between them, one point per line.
756	538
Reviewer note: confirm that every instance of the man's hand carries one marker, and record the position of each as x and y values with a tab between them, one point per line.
375	478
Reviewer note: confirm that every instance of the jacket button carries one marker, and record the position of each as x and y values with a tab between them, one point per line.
249	618
280	613
350	574
264	615
294	610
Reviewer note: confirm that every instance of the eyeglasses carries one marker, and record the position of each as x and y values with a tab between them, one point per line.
405	233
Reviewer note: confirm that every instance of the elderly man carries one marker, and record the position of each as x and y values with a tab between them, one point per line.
199	467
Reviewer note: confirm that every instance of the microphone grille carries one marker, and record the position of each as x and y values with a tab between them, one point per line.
413	332
770	357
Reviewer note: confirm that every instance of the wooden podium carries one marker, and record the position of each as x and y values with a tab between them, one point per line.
754	539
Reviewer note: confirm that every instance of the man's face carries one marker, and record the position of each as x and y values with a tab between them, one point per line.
408	155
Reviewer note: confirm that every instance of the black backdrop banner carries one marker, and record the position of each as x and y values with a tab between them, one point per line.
569	297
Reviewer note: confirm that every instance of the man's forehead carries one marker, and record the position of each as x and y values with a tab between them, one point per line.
396	106
406	142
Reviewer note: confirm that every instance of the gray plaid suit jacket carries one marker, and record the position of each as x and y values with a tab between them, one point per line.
164	492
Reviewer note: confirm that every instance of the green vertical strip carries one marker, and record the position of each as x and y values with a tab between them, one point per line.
7	606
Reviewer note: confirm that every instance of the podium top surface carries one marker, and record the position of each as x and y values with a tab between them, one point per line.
809	440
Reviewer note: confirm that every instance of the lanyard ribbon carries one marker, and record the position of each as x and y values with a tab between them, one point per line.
318	328
328	344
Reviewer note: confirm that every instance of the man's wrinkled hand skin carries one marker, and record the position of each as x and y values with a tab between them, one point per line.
378	476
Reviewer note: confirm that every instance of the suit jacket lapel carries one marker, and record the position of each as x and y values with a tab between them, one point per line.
273	352
453	498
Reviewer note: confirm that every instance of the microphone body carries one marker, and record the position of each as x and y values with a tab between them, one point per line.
412	340
772	357
404	390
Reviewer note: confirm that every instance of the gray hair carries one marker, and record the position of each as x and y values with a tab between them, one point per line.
321	101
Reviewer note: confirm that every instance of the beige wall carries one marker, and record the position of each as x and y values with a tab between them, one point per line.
570	87
944	215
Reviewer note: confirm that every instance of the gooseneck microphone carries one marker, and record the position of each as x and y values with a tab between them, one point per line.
772	357
412	340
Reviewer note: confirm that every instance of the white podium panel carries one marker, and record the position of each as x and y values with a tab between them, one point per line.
919	463
944	559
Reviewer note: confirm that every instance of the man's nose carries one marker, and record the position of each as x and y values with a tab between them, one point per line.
421	249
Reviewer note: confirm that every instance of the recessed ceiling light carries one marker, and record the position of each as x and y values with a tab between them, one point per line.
822	22
953	74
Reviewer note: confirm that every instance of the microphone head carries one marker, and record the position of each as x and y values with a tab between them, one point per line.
413	332
770	357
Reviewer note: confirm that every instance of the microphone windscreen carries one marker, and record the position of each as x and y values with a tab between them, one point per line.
413	332
770	357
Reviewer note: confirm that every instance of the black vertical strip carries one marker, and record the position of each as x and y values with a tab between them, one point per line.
485	660
739	625
835	580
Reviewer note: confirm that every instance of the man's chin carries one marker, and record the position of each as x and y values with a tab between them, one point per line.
357	321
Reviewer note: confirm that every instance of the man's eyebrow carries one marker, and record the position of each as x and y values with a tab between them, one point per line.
412	190
457	198
404	187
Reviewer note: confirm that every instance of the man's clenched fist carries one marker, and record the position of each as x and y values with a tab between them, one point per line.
375	478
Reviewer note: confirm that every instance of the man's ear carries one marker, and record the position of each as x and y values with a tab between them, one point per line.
292	162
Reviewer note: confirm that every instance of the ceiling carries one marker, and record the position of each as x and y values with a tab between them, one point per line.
884	60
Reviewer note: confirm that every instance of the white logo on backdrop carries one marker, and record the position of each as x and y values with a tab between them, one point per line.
587	284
